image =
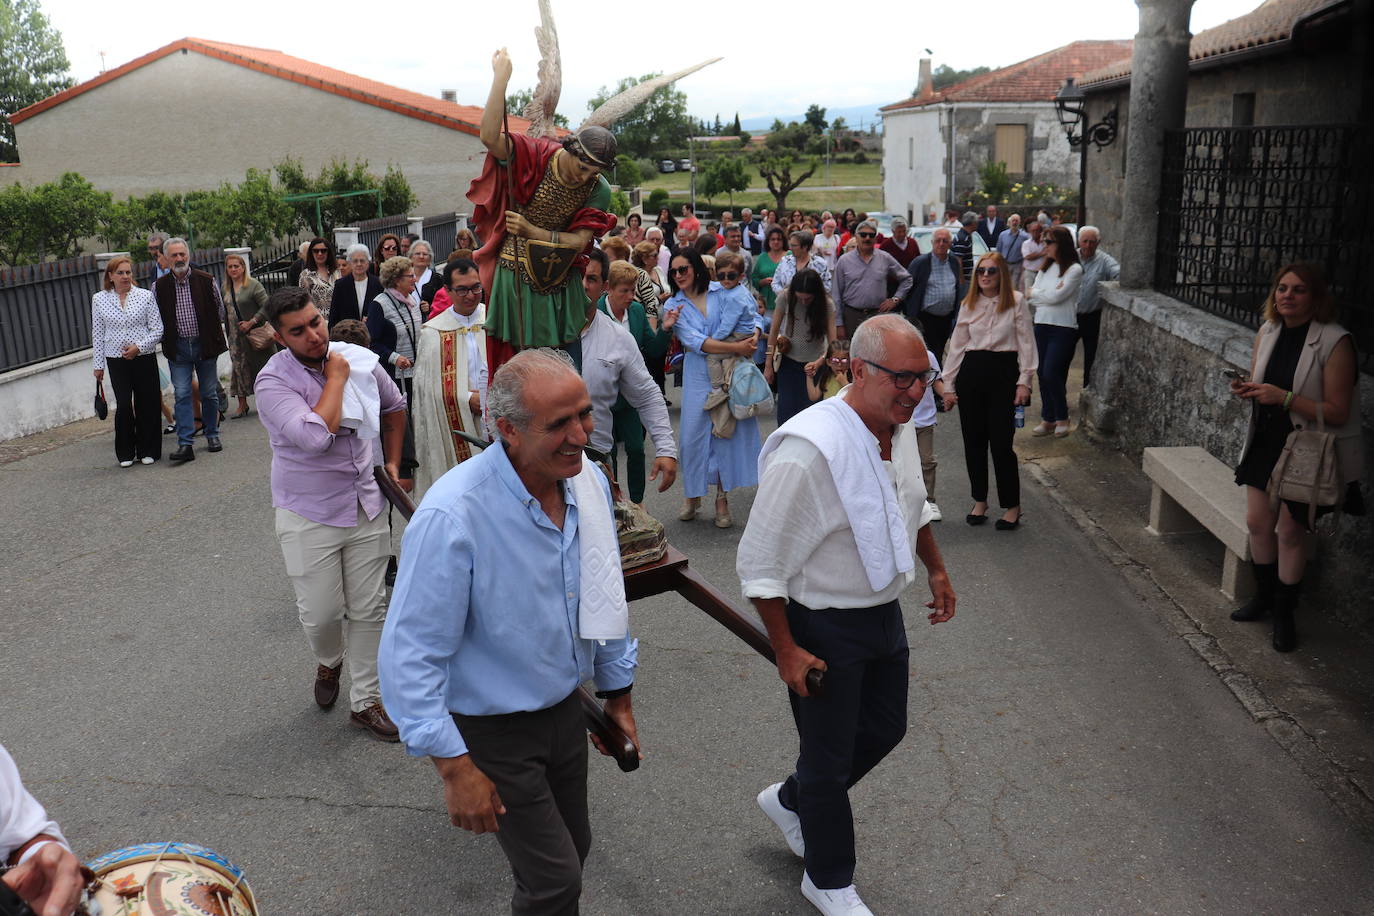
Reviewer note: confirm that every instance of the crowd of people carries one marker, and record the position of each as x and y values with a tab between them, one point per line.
379	358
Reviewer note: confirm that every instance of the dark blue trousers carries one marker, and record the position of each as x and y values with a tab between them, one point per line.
1055	345
847	732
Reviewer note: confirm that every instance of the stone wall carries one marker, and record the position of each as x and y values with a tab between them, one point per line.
1158	381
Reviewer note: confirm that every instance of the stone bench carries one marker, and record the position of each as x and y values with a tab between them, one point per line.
1192	491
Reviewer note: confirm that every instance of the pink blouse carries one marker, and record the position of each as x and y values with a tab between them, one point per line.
983	327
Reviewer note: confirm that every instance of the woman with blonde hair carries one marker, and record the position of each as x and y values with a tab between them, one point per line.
246	304
126	327
991	361
1302	370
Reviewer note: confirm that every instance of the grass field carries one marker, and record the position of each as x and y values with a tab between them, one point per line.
813	195
841	173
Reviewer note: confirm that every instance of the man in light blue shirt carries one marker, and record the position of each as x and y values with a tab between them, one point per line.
481	658
1009	247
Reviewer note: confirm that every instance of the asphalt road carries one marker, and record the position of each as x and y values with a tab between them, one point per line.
1067	752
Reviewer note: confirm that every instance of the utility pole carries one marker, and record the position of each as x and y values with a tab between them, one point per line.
692	173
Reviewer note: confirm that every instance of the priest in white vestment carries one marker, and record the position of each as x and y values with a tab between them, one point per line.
450	378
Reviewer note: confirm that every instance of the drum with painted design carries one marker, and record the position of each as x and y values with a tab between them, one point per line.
162	879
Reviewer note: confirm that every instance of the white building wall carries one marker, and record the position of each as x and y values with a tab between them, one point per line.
913	162
190	122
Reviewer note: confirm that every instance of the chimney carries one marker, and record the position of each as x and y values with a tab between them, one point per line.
925	85
450	95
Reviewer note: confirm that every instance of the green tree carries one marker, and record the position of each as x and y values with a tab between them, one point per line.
627	173
50	220
252	214
660	123
815	117
341	177
620	204
516	102
792	137
724	175
838	125
735	129
995	181
776	171
32	67
946	76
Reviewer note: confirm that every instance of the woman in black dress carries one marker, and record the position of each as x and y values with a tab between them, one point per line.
1302	360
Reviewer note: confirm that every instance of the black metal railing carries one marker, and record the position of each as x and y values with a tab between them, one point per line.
271	267
370	231
45	309
1237	203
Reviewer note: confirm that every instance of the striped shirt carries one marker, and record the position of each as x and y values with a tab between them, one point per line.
188	326
941	287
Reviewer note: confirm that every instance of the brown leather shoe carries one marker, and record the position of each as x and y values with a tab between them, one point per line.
327	685
374	718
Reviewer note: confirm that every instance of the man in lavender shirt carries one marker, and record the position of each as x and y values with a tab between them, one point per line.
334	536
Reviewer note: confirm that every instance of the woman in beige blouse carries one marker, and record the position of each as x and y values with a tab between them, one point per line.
319	274
991	361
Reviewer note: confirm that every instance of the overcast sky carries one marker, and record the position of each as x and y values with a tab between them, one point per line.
779	57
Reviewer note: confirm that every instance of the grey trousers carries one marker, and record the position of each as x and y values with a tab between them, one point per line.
538	762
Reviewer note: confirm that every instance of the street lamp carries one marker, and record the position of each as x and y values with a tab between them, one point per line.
1071	105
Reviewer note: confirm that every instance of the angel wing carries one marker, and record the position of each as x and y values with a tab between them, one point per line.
544	100
616	107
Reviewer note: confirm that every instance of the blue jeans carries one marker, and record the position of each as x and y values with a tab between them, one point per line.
188	361
1055	346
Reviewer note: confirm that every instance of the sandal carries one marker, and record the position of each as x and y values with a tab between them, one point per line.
689	510
169	429
239	415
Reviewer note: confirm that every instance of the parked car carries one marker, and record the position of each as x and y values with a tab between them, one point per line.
684	165
667	165
922	236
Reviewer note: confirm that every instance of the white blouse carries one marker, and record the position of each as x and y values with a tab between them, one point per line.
1055	298
113	326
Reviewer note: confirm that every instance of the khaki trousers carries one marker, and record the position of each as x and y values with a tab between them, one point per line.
925	444
339	575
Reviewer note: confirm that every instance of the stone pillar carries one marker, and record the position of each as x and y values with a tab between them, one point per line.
415	225
246	254
1159	96
345	236
463	221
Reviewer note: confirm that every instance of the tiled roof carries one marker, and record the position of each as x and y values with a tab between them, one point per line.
1033	80
1270	22
465	118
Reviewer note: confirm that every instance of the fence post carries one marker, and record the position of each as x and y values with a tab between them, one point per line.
415	225
344	236
463	221
246	254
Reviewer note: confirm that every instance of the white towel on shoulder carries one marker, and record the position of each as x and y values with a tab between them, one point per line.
362	402
602	613
866	490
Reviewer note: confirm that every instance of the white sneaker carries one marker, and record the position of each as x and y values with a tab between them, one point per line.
935	513
788	821
126	464
147	459
843	901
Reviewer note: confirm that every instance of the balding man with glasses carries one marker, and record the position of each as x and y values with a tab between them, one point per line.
864	276
832	541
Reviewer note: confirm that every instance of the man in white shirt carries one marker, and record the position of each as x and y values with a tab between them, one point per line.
753	231
827	591
43	872
608	359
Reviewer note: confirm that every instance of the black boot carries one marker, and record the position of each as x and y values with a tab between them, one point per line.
1258	607
1285	603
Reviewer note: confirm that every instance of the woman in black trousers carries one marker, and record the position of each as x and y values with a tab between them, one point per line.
991	361
126	327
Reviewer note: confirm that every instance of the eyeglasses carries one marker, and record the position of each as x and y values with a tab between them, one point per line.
389	246
686	268
868	235
155	249
839	360
468	290
904	380
987	271
319	251
729	275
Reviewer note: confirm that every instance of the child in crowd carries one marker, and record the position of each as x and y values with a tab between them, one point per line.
923	421
826	380
729	272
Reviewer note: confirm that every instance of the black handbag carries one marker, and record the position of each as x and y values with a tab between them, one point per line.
102	410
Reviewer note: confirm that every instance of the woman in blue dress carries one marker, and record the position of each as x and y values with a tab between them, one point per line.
702	314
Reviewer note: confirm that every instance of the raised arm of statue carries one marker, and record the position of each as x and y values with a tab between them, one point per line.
491	133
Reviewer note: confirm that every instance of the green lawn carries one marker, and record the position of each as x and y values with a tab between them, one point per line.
841	173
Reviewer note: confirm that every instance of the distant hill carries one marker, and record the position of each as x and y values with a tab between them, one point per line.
854	116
